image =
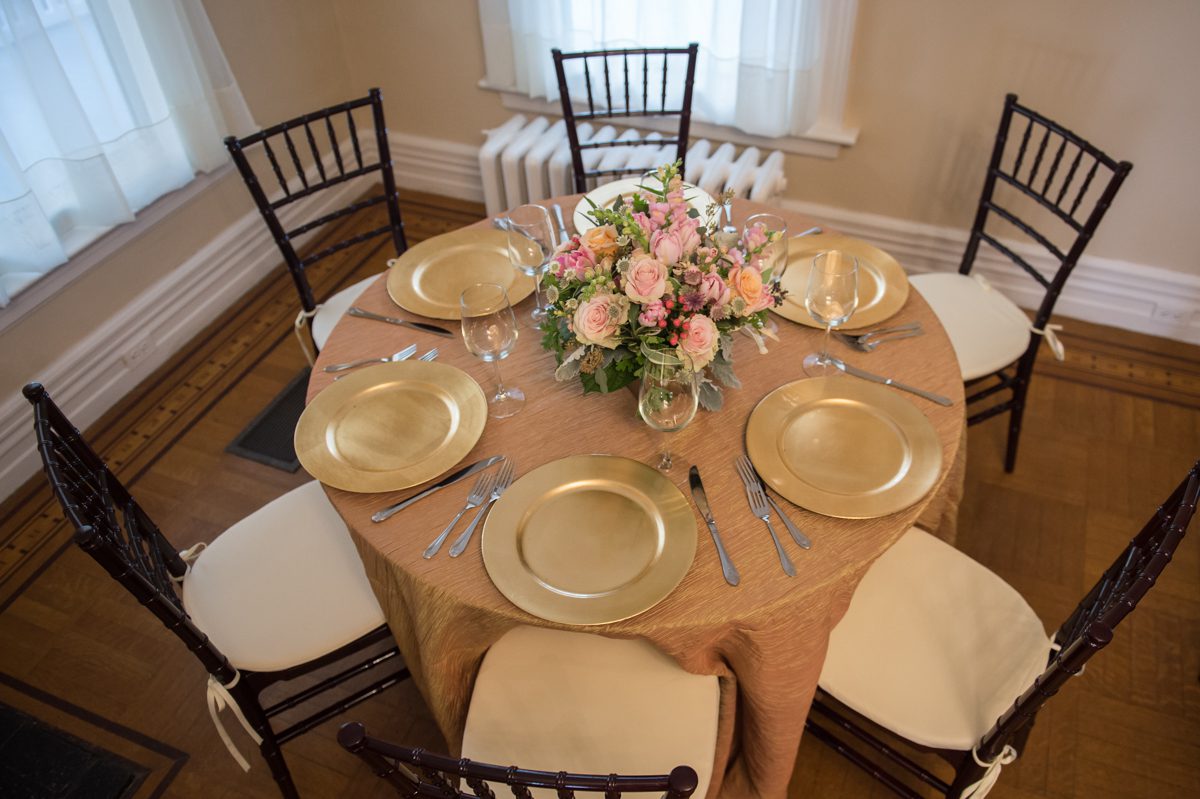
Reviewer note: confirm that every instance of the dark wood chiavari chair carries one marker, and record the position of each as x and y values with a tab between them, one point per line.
114	530
415	772
319	163
1085	632
1059	177
616	96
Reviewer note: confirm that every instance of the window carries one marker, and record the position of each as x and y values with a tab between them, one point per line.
106	106
768	68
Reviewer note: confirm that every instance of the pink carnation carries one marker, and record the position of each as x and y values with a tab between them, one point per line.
574	263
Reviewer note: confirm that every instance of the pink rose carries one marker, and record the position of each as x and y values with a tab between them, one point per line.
667	245
689	235
574	262
713	288
597	320
699	343
646	280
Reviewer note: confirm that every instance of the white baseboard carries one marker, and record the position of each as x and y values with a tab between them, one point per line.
1132	296
100	370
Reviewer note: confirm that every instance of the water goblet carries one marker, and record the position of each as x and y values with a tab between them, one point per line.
831	298
530	247
773	258
668	396
489	329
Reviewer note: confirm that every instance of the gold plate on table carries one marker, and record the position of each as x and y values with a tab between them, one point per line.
589	539
882	283
391	426
843	447
429	277
604	196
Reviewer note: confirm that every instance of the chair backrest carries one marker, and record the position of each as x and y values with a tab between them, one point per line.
112	528
415	772
319	162
1070	182
627	83
1090	627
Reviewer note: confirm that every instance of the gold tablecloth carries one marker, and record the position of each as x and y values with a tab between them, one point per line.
764	639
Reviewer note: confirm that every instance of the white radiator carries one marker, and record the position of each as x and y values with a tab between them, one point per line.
526	161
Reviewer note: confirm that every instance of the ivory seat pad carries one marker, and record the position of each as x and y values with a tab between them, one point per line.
934	646
565	701
283	586
987	329
334	308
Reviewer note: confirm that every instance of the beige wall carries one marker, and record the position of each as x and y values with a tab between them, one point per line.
287	57
926	87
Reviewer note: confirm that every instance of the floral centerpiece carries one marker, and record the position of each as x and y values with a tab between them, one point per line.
651	273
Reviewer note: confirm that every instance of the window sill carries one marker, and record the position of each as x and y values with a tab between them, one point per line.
821	142
104	247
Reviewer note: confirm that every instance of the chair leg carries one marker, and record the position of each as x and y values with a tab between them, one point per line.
1014	424
247	699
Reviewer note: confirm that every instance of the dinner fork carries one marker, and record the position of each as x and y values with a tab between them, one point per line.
479	492
400	355
872	344
757	498
429	356
503	480
799	537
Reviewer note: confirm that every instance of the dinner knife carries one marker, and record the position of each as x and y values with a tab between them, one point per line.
391	320
466	471
701	500
887	381
564	236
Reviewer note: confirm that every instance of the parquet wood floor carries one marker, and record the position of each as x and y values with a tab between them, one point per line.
1108	433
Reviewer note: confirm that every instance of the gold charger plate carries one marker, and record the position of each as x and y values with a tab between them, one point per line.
843	447
589	539
882	283
429	277
391	426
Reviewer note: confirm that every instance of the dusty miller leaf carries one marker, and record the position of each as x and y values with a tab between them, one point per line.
710	396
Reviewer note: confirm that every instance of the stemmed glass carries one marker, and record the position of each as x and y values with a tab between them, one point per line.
530	247
489	329
774	256
831	298
668	397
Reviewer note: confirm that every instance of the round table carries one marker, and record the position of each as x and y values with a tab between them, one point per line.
764	639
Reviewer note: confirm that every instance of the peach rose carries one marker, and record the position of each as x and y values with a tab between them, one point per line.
699	344
747	283
602	240
646	280
597	320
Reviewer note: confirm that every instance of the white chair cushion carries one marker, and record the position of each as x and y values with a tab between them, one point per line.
283	586
566	701
987	330
334	308
934	646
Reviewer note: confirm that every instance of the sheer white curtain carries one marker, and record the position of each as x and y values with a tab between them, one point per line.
105	105
762	67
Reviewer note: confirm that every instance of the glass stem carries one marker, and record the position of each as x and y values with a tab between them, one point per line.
664	459
537	289
825	347
499	382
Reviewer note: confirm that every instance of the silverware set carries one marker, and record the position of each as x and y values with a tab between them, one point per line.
461	474
487	489
867	342
503	480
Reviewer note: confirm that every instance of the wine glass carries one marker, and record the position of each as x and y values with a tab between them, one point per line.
668	397
831	298
489	329
530	247
774	256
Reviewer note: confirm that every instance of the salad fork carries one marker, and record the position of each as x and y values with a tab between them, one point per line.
479	492
800	538
757	498
429	356
503	480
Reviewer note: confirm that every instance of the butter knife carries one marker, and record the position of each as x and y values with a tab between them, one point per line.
562	225
391	320
701	500
466	471
887	381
